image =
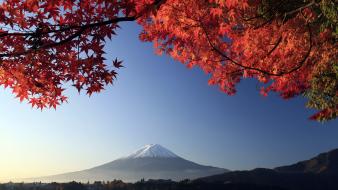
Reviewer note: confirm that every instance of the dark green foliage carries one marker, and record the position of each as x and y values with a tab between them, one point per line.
327	11
279	8
323	93
329	16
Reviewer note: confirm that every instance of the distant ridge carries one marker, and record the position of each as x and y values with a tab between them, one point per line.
318	173
323	163
152	161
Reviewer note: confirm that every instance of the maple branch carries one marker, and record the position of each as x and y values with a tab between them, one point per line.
299	65
156	5
275	46
275	13
264	13
71	27
81	28
300	8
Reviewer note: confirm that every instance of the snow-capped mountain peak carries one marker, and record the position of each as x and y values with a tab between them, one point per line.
150	162
153	151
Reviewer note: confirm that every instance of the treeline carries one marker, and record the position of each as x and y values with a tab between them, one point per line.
140	185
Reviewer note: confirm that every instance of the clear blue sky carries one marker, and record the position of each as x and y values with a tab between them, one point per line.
157	100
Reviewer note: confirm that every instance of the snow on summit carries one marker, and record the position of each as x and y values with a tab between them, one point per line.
153	151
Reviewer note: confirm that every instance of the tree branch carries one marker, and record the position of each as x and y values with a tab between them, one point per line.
275	46
80	29
299	65
69	38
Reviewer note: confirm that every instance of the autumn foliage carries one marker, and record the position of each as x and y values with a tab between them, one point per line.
289	46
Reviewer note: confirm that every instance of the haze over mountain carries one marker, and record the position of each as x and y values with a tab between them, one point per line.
150	162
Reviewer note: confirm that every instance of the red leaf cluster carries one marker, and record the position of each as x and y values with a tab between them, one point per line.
46	45
231	41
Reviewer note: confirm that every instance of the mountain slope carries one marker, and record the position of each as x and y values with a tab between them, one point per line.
269	177
318	173
323	163
150	162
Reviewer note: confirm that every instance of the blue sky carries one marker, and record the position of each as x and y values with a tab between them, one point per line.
157	100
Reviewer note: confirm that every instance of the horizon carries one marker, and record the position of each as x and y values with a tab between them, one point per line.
158	100
30	179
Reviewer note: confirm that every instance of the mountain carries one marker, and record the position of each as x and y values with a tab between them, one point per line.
318	173
325	163
150	162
